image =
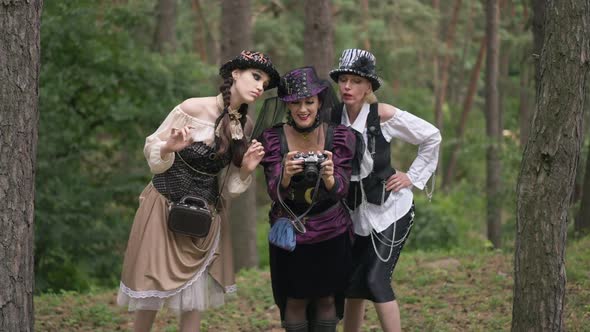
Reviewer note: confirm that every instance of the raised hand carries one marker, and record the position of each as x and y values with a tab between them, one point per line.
253	156
178	140
327	166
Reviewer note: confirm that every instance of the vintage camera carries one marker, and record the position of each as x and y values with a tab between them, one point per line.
312	163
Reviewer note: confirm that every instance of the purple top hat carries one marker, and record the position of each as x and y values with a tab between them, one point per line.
300	83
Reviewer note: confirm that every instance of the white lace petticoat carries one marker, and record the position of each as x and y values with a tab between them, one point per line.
203	294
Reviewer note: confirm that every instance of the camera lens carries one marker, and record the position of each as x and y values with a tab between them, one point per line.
311	172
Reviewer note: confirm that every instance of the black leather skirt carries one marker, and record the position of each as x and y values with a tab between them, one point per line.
374	258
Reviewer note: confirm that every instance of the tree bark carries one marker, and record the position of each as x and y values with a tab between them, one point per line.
524	108
165	34
19	93
365	24
236	35
467	105
236	28
456	85
548	168
582	222
200	32
493	179
318	48
538	35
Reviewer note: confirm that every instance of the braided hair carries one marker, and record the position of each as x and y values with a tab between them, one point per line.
237	148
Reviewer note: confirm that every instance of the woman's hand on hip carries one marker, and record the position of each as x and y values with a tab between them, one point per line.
398	181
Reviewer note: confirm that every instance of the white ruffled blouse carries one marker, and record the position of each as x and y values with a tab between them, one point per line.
408	128
204	131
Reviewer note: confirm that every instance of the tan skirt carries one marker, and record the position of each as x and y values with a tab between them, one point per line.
165	269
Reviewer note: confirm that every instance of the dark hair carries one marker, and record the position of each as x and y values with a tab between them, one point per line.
225	142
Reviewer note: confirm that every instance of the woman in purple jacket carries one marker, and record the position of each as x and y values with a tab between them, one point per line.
308	283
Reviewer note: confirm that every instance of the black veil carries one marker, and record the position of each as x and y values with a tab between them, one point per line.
274	111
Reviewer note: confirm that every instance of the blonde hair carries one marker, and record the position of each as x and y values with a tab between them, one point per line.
370	98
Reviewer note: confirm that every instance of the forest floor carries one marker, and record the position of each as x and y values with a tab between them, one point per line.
437	291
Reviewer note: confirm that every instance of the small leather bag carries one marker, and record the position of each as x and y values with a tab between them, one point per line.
191	216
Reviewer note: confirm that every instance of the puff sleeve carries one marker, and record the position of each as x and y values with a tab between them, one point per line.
343	149
272	162
176	119
412	129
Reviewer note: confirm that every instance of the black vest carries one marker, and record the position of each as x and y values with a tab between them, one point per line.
374	184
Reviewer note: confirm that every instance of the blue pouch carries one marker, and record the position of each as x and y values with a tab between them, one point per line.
282	234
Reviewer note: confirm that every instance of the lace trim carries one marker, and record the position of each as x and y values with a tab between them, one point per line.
165	294
231	289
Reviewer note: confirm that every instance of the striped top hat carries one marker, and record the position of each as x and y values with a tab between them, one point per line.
357	62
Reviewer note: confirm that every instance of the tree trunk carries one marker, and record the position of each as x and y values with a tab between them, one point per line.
524	108
457	84
582	222
467	104
165	34
200	32
436	65
318	48
444	71
493	182
538	35
365	24
548	168
236	35
19	93
236	28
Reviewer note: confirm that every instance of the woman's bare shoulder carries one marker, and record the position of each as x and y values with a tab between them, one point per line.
203	107
386	111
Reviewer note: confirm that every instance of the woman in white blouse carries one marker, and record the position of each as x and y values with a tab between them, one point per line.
381	197
200	149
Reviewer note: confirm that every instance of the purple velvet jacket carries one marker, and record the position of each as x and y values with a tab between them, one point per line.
320	225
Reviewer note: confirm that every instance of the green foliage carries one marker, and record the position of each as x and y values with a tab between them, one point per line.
451	220
101	94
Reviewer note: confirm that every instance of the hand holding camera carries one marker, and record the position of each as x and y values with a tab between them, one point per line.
312	163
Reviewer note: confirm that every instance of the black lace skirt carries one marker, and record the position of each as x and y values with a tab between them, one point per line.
312	271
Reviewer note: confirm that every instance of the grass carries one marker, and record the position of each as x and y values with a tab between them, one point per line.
437	291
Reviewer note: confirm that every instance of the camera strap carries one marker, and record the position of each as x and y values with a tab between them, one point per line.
297	223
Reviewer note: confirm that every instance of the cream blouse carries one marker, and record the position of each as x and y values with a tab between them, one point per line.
204	132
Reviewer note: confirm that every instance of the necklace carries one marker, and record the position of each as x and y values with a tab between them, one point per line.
305	136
